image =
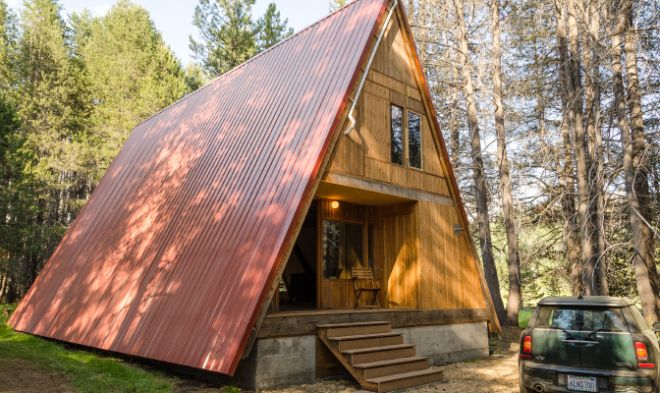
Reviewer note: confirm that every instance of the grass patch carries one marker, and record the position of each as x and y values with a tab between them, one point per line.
523	317
86	371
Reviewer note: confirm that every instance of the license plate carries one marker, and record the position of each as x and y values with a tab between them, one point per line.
582	384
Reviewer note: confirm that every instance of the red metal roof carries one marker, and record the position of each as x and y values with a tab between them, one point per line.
174	253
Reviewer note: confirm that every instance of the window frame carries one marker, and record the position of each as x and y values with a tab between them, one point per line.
421	151
365	245
403	134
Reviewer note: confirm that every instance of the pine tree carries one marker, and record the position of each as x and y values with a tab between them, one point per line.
195	77
337	4
7	46
52	111
131	74
227	34
271	29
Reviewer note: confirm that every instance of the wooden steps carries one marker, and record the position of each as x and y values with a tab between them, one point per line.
376	357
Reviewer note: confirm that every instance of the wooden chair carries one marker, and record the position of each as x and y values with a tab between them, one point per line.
363	281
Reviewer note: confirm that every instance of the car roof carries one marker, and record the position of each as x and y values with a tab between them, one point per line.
597	301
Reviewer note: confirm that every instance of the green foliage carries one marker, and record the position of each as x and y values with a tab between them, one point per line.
543	264
195	77
337	4
8	35
271	29
523	317
87	371
70	94
130	73
227	34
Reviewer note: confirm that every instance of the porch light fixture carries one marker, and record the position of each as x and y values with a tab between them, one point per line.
334	204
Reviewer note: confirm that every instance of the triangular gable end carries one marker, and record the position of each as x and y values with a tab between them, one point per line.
396	78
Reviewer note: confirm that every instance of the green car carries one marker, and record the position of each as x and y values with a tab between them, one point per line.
588	344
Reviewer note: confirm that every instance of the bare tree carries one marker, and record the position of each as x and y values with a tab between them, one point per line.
571	233
515	296
481	187
634	160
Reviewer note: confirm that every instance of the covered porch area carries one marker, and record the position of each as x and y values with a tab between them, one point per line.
348	234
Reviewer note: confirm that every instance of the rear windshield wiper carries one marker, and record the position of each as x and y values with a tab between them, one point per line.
568	334
603	330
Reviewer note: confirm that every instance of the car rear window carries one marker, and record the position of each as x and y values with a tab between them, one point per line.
581	319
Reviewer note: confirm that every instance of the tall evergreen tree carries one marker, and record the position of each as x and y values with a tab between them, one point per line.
337	4
195	76
52	110
7	45
227	34
271	29
131	74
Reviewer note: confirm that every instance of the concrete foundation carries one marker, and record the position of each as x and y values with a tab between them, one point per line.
285	361
448	343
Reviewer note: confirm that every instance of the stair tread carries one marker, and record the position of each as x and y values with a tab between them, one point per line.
409	374
363	336
390	362
351	324
377	349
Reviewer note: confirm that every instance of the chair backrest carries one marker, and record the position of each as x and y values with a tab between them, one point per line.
362	273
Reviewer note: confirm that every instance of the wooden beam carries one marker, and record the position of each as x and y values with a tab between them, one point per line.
303	323
387	189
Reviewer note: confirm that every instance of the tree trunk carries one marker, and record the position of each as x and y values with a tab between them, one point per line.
635	169
454	125
595	226
580	146
571	233
481	188
514	301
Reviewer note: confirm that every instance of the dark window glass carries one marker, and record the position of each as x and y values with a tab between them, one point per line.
414	140
396	148
581	319
342	248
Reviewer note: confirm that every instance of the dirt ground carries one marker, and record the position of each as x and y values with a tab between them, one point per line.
497	374
20	376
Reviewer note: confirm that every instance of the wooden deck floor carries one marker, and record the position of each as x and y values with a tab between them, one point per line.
303	322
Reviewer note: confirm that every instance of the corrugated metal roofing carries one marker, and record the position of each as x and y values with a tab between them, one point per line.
172	256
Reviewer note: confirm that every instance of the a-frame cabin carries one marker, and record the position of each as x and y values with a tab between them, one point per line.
296	218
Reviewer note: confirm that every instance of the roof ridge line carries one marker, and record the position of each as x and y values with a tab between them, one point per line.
215	79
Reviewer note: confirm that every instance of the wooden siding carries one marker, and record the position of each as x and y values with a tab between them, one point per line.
447	267
366	153
422	261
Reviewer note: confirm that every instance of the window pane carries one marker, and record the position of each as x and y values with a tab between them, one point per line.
414	140
396	149
342	248
581	319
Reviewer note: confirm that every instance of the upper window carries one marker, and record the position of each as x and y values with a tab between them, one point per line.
414	140
396	148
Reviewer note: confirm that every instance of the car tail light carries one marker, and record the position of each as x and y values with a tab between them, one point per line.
642	354
526	349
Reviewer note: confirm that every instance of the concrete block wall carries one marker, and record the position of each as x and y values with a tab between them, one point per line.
286	361
449	343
